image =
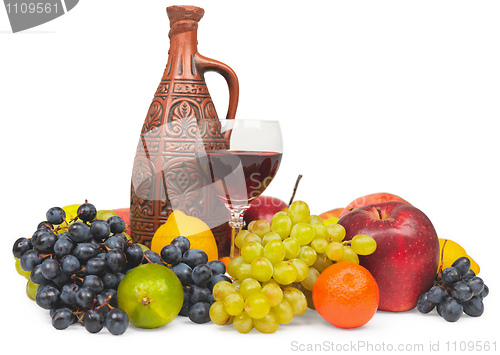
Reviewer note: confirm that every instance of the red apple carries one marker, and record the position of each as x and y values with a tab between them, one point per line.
369	199
264	207
405	261
124	213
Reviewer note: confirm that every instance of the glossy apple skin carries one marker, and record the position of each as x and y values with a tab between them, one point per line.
370	199
264	207
335	213
405	261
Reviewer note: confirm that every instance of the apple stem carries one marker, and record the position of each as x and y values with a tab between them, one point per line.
295	189
379	210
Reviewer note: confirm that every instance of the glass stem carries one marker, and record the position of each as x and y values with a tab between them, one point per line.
236	223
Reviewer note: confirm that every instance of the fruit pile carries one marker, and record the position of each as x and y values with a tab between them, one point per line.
197	275
287	253
457	290
75	267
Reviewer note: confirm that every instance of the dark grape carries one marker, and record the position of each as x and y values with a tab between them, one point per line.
476	284
171	254
451	310
194	257
96	266
86	212
201	275
114	242
70	264
474	307
152	257
45	242
63	246
29	260
62	318
116	260
217	278
21	246
85	251
485	292
423	303
36	275
85	297
55	215
79	232
183	272
45	225
436	294
182	243
109	279
462	265
109	296
134	254
99	229
50	268
461	291
94	283
199	312
93	321
48	297
450	275
217	266
62	279
116	224
68	293
199	294
116	321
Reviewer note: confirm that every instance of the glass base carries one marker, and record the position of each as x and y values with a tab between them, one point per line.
236	223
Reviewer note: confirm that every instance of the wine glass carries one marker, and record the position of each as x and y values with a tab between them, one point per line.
241	169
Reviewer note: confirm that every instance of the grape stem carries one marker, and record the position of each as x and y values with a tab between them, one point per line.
295	189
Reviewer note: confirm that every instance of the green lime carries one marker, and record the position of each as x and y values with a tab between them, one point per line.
151	295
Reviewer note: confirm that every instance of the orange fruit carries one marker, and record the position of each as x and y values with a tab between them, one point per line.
453	251
346	295
179	224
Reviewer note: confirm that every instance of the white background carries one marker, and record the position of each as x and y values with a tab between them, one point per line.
397	96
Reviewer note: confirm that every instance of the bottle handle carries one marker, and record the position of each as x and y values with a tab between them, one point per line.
207	64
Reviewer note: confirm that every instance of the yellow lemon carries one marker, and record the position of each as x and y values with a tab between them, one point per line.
453	251
179	224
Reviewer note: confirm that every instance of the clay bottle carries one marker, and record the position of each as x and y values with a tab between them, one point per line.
165	174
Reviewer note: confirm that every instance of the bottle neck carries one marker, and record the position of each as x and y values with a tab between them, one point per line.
184	42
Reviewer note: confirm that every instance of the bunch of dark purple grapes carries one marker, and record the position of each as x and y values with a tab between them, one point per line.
456	290
197	275
78	265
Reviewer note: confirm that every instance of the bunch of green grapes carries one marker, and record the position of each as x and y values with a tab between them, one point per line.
249	303
294	248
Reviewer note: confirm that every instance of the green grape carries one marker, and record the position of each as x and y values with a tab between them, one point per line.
320	230
299	212
335	251
270	282
222	289
236	284
249	286
292	248
232	266
20	271
336	232
251	251
280	213
234	303
244	271
250	225
238	240
273	293
274	251
72	211
302	268
31	289
311	278
315	219
322	262
269	324
350	255
308	255
101	214
261	227
262	269
243	323
257	305
281	224
363	244
319	244
303	232
284	312
285	272
251	237
218	313
272	235
296	299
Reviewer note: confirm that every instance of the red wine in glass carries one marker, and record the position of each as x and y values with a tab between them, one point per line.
240	176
